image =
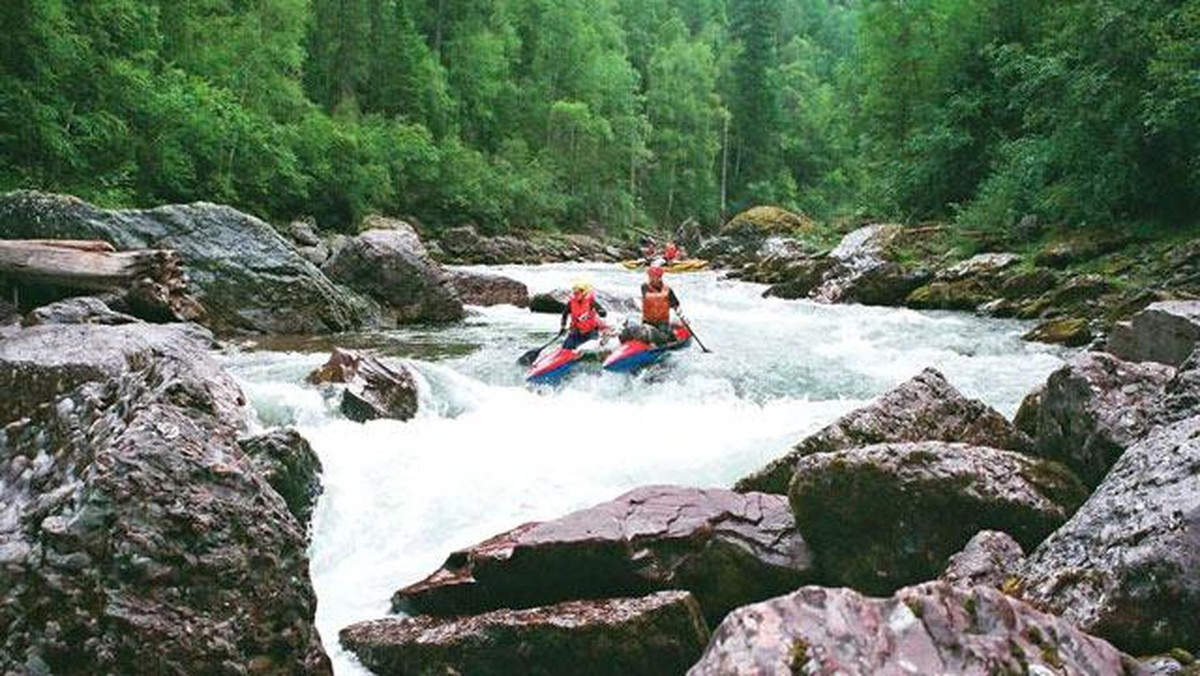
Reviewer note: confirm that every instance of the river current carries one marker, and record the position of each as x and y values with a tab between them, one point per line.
485	453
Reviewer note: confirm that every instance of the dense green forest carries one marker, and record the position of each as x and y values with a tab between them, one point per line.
605	114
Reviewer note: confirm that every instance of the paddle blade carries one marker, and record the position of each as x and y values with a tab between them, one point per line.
529	357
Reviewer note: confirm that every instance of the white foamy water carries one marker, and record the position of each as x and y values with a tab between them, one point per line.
486	454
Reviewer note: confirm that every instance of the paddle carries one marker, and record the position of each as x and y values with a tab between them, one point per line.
531	356
685	325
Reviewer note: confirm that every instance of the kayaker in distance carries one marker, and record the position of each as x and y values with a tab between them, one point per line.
658	300
672	252
648	250
584	314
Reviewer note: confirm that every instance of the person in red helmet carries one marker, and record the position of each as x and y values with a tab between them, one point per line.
671	252
584	314
658	300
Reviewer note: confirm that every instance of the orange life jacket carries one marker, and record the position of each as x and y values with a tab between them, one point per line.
656	305
583	313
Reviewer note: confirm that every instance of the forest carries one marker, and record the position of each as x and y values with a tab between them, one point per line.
610	115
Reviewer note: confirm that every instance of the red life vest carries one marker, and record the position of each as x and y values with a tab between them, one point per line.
583	313
656	305
671	252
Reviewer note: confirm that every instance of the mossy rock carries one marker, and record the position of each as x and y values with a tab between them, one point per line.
768	220
1069	331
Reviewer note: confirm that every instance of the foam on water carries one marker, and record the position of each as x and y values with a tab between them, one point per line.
485	453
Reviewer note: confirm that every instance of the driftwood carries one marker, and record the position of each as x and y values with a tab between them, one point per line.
151	281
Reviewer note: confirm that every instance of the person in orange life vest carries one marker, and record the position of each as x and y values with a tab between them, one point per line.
658	300
671	253
584	314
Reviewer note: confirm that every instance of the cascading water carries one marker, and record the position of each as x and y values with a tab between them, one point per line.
485	453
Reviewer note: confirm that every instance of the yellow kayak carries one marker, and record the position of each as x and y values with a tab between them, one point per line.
687	265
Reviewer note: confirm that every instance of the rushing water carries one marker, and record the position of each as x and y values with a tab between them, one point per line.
485	453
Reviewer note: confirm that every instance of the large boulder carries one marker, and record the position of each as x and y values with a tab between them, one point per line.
926	408
726	548
477	288
247	276
933	628
1165	332
764	221
1127	566
1093	408
1069	331
991	559
392	266
865	270
40	363
884	516
658	634
286	460
373	388
136	536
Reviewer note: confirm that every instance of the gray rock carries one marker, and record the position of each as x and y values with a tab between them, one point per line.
40	363
476	288
930	629
137	536
926	408
392	266
554	302
287	461
990	559
726	548
865	272
304	233
248	277
81	310
1093	408
1127	566
985	264
881	517
1166	332
663	633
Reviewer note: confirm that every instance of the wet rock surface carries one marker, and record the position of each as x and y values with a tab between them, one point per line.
390	265
884	516
290	465
726	548
81	310
247	276
1092	409
134	533
373	387
663	633
925	408
933	628
991	559
477	288
1127	565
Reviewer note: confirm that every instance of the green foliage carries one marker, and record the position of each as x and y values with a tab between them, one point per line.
564	114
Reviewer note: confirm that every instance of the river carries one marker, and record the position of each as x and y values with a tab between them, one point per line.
486	453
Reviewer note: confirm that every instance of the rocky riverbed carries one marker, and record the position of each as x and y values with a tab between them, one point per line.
148	522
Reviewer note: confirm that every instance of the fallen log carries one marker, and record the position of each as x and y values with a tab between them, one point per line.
150	281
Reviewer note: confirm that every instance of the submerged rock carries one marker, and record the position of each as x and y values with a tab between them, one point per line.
393	267
1093	408
925	408
373	388
726	548
1166	332
1127	566
248	277
663	633
476	288
933	628
991	559
134	533
881	517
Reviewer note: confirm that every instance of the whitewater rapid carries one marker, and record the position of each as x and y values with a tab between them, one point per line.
485	453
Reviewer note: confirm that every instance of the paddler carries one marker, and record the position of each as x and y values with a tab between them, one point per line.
584	314
658	300
671	252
